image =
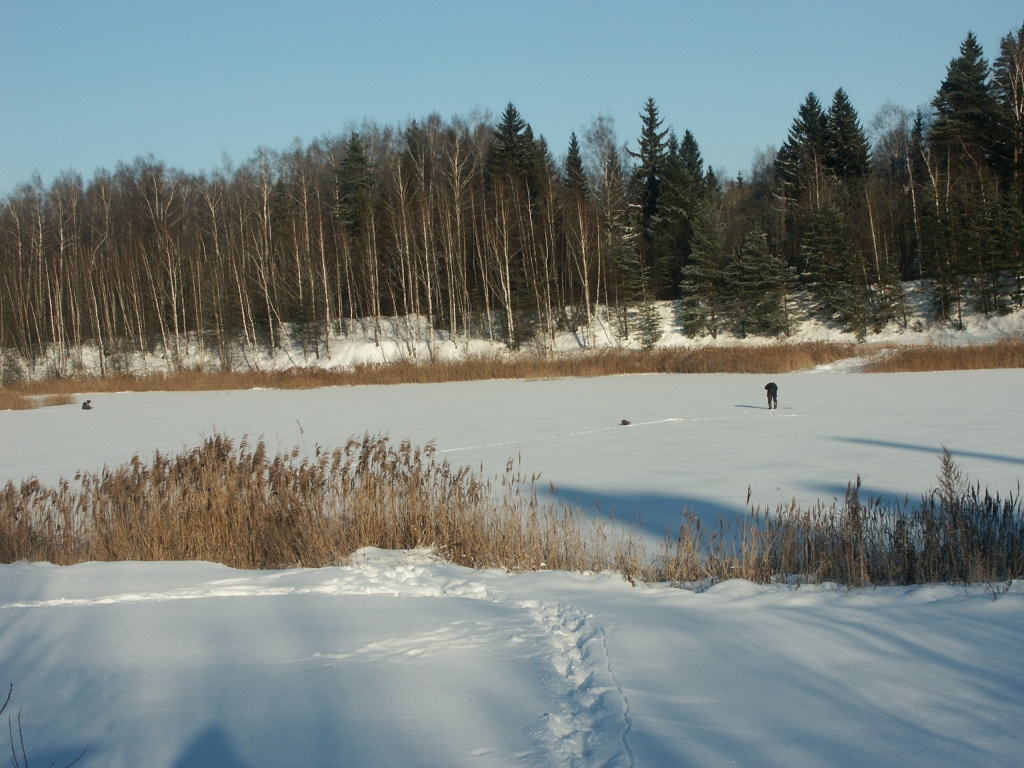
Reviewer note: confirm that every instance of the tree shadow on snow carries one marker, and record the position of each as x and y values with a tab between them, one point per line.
829	493
931	449
211	748
653	514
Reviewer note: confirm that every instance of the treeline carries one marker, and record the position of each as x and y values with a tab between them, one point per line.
473	228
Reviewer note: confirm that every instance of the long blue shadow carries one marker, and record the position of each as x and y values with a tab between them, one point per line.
653	514
211	747
827	494
658	514
934	450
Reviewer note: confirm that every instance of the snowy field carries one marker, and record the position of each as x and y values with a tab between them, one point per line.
400	660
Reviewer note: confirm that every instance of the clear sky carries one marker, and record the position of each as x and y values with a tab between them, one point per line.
88	84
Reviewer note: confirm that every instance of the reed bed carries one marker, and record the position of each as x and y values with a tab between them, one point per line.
247	509
773	358
955	535
18	401
1004	353
762	359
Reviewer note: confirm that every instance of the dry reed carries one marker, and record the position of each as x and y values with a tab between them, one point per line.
774	358
1005	353
957	533
247	509
17	401
766	359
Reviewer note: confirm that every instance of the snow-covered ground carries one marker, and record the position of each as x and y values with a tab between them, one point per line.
400	660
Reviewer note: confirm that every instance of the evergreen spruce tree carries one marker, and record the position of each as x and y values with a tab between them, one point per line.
539	161
800	160
634	290
646	188
575	176
838	282
580	240
638	315
703	284
648	324
758	284
692	162
1008	82
967	120
799	176
685	189
508	153
651	161
887	299
990	243
354	183
1008	87
971	139
847	153
515	154
671	227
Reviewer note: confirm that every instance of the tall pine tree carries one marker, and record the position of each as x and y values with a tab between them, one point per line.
847	153
515	154
1008	87
838	282
758	284
575	176
354	184
703	289
800	162
967	120
647	190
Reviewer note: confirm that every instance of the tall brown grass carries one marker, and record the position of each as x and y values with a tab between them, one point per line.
956	533
766	359
248	509
17	401
774	358
1005	353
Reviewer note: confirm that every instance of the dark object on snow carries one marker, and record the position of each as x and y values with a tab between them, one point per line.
87	405
624	423
773	395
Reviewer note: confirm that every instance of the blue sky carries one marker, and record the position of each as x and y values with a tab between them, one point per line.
86	85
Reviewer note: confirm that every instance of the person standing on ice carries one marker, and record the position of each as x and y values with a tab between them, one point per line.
773	395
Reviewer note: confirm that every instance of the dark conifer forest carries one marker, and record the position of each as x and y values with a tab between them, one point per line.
476	227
